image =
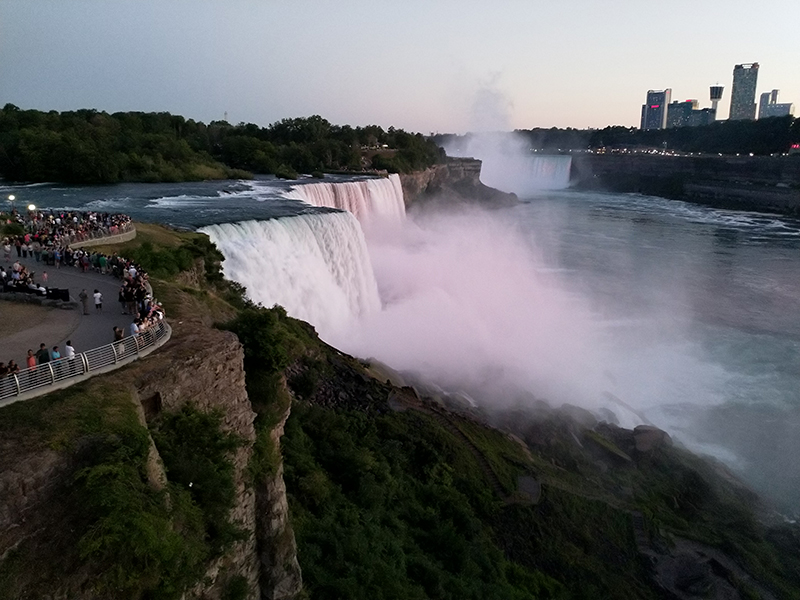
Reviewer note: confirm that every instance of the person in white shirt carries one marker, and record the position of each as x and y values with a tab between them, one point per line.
135	327
98	301
69	351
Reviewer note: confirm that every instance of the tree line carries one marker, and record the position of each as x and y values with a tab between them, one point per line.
763	137
90	146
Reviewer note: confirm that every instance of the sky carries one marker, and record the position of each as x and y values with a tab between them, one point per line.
428	66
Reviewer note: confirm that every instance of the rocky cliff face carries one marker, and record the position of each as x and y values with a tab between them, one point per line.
205	368
281	578
455	182
201	366
761	183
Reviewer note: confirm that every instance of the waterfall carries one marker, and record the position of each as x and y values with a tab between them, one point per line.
372	200
316	266
525	175
509	163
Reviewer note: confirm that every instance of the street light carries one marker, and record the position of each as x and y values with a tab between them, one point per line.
31	207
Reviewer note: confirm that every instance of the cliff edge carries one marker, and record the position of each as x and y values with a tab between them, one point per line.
456	182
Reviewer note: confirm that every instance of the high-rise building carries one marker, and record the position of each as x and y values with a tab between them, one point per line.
704	116
769	106
680	113
654	112
686	114
743	93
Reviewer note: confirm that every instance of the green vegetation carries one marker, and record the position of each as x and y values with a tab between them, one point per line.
166	263
765	136
139	538
88	146
189	259
9	227
271	342
394	506
121	531
196	454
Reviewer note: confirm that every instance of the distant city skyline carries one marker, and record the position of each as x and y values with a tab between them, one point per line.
431	67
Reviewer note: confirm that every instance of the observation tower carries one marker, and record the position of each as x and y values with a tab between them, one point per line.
716	96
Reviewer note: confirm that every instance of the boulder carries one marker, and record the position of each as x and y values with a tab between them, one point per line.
648	437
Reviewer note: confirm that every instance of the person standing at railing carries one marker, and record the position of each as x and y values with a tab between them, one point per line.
54	356
30	360
69	351
43	355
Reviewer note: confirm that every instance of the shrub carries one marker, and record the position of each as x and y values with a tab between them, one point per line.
286	172
196	453
137	539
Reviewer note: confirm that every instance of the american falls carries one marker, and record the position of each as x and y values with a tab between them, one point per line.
315	265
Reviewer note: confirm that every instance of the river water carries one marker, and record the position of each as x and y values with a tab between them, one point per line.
688	314
707	305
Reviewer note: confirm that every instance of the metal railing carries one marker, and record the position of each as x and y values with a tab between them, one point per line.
87	235
53	374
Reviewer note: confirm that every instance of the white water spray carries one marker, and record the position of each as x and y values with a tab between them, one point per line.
509	165
373	201
316	266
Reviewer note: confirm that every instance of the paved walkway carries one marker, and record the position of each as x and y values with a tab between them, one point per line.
56	326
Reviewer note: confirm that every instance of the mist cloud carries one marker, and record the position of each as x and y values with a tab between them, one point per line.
471	304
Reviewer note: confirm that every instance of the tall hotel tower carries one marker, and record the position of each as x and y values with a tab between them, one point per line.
654	113
743	94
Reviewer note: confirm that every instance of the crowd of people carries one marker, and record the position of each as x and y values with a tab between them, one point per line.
19	279
59	229
46	241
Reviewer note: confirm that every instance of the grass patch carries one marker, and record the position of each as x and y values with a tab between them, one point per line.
58	419
505	456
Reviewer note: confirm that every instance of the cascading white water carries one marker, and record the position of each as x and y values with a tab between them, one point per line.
372	201
525	175
316	266
509	164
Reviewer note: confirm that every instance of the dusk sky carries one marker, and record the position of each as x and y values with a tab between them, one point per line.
420	65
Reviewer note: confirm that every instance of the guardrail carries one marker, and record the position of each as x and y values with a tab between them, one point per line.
64	372
92	235
124	234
